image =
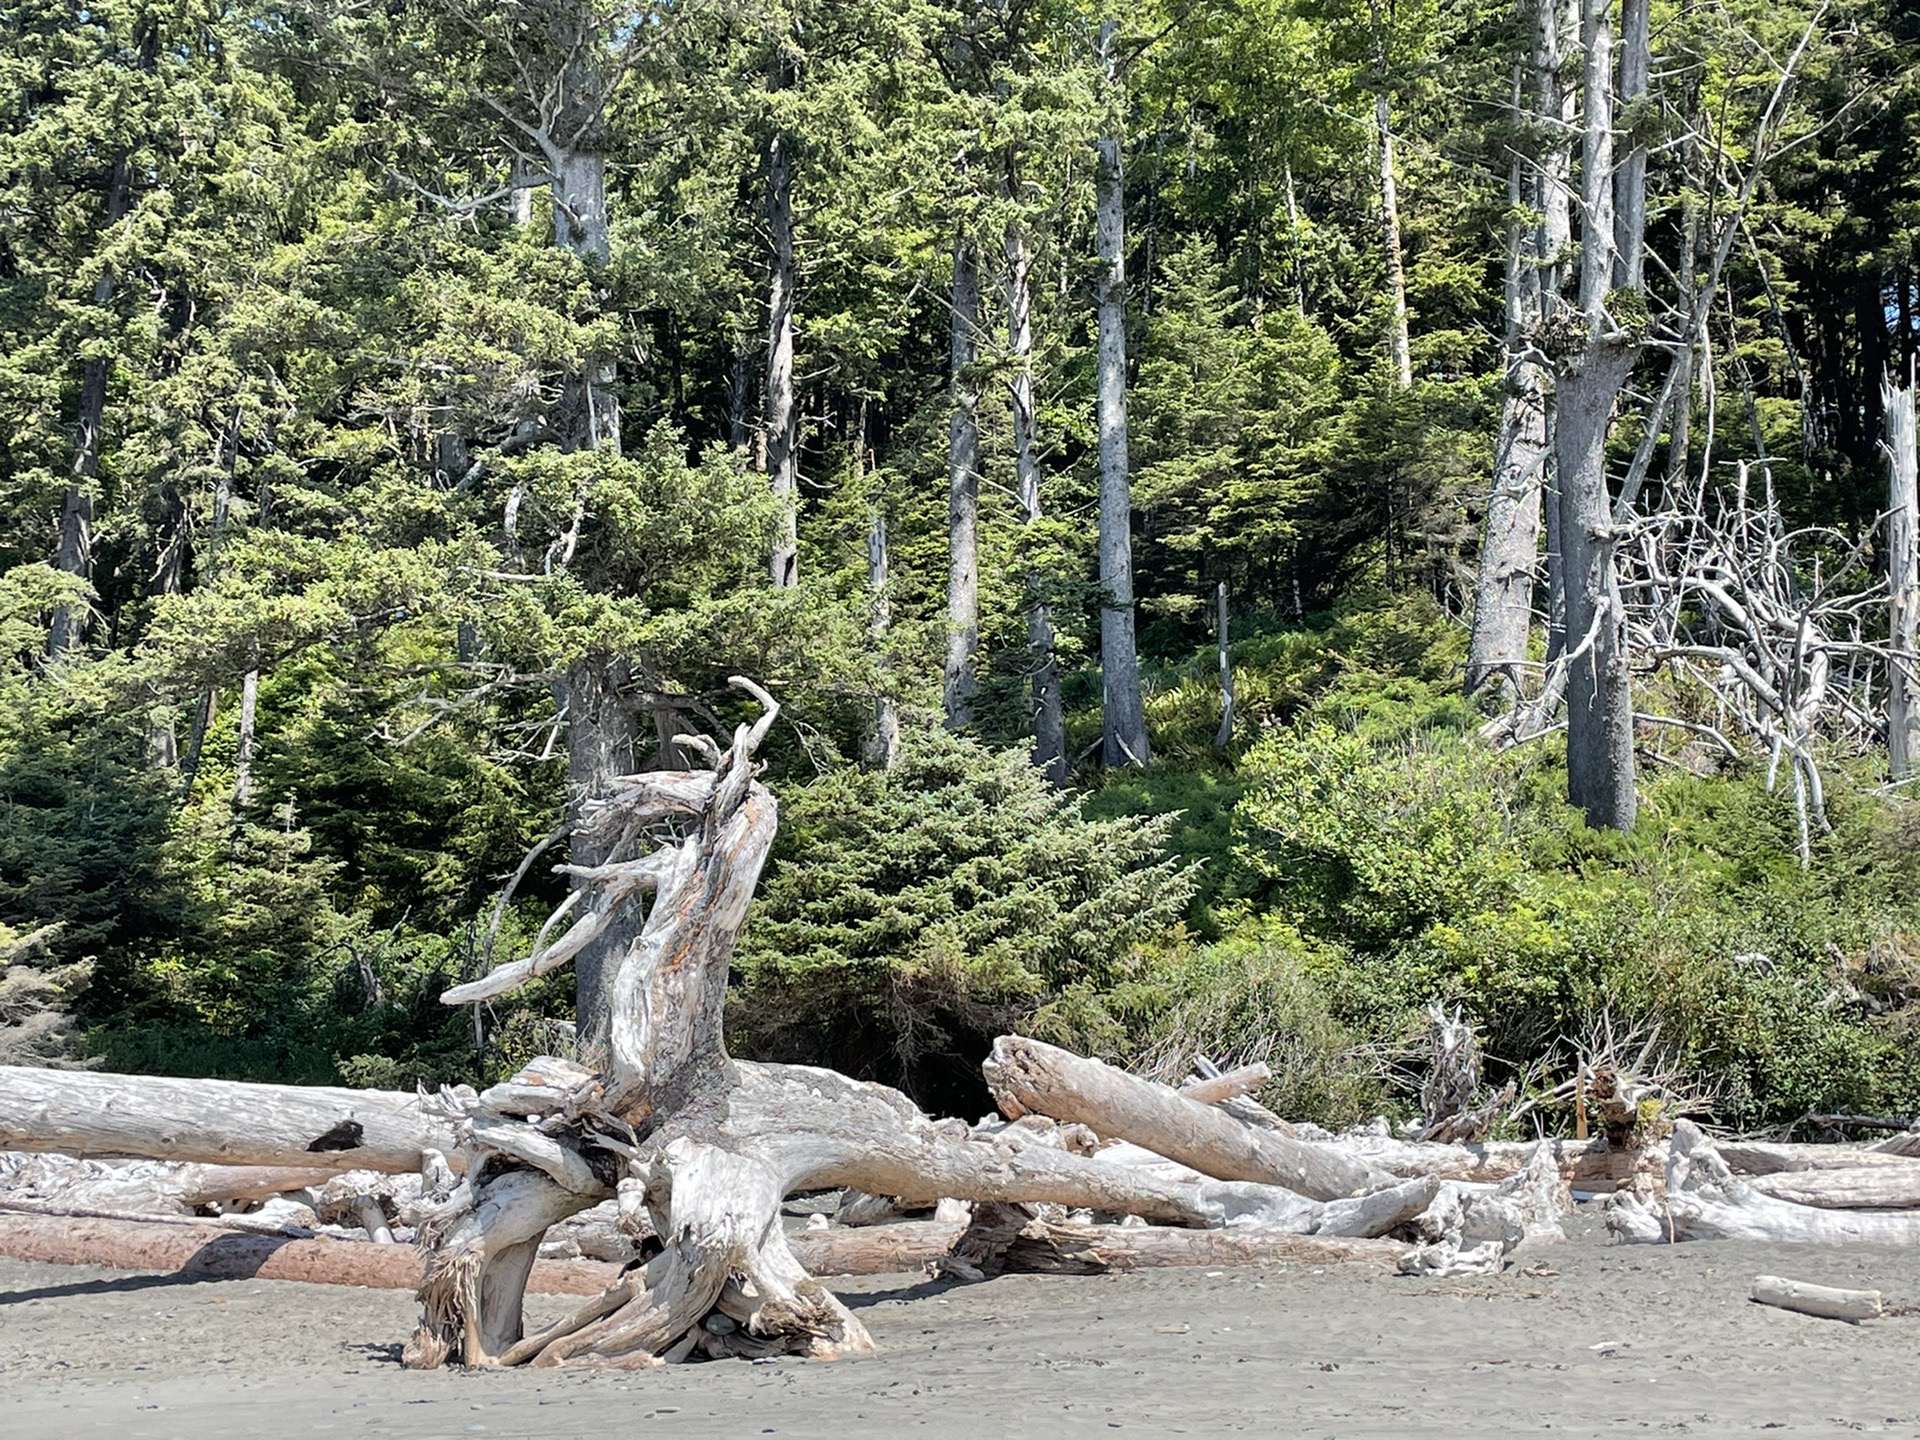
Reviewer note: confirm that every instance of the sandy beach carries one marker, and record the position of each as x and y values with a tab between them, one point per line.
1584	1338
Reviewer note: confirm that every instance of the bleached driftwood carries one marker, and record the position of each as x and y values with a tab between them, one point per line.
1822	1300
1872	1187
157	1186
1463	1222
89	1113
1029	1076
1768	1157
1705	1200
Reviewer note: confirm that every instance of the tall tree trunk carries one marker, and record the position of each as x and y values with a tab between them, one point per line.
1397	338
243	747
1630	182
781	426
1223	740
1049	720
602	725
74	554
1599	696
1903	578
1536	184
602	732
883	751
963	489
1123	721
592	399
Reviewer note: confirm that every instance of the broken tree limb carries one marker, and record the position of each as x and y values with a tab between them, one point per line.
1822	1300
1215	1089
90	1113
1029	1076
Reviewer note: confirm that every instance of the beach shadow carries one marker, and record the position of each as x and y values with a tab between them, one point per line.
225	1257
919	1290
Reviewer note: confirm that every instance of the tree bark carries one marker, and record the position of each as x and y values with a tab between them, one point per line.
1874	1187
1223	738
591	402
781	427
1049	719
1123	719
243	751
602	737
884	745
963	488
1510	542
1903	578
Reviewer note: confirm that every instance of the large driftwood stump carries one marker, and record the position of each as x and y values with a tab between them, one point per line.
706	1148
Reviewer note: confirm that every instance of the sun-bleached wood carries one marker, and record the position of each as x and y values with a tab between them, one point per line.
88	1112
1870	1187
1028	1076
1822	1300
1705	1200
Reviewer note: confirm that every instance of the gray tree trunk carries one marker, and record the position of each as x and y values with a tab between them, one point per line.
1903	578
1397	337
781	427
1049	721
963	489
74	553
1224	738
602	733
243	749
1599	694
1509	549
1124	723
884	748
592	399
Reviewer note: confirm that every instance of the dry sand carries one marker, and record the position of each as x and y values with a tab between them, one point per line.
1618	1341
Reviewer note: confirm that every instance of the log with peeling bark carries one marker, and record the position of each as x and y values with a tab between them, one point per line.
91	1113
1705	1200
1027	1076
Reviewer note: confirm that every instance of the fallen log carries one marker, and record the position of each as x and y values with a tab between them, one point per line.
1027	1076
1591	1165
90	1113
154	1186
211	1251
1870	1187
1822	1300
1767	1157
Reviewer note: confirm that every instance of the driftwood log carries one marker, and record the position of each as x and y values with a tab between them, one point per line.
1822	1300
1028	1077
1705	1200
88	1113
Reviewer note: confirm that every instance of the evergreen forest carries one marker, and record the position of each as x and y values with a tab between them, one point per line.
1260	516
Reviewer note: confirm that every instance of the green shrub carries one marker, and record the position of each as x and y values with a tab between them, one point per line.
941	899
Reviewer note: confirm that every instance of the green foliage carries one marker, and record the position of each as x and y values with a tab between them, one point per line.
949	894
